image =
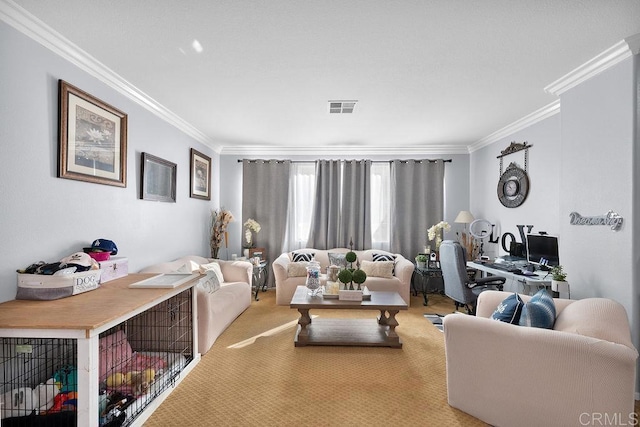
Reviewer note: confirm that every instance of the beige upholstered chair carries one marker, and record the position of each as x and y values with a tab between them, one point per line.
507	375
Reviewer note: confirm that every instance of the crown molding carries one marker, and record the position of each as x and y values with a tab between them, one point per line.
343	149
528	120
32	27
619	52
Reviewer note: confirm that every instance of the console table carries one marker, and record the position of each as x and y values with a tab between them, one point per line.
81	319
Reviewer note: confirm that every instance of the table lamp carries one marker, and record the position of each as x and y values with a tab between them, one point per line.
465	217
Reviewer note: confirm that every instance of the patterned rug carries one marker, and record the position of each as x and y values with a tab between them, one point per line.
436	320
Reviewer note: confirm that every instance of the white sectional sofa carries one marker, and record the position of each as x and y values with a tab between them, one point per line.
216	310
286	285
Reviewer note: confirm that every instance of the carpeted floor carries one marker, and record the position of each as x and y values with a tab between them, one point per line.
253	375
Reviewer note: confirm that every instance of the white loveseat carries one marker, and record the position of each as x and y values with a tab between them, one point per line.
400	282
575	374
216	310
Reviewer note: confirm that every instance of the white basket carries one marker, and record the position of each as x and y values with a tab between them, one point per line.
45	287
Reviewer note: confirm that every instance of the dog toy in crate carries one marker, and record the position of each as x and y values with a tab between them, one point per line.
67	378
64	402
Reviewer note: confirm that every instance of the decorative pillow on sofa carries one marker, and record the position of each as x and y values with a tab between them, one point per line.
188	267
385	257
210	282
539	312
509	309
302	256
378	268
297	269
337	259
215	267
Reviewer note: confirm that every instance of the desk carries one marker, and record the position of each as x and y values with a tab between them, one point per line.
542	279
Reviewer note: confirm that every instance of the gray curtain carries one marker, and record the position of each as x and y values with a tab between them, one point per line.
265	195
417	203
325	220
356	196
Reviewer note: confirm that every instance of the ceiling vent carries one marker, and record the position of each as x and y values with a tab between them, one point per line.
342	107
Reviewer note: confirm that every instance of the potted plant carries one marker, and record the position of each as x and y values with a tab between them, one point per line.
559	279
421	261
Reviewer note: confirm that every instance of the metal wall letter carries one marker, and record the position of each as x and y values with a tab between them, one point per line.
610	219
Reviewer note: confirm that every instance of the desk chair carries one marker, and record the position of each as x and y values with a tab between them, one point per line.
458	286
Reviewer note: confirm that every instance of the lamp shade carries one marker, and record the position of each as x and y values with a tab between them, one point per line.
464	217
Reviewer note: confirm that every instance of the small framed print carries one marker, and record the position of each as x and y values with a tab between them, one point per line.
158	179
200	175
92	143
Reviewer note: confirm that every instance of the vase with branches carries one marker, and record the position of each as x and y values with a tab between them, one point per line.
220	220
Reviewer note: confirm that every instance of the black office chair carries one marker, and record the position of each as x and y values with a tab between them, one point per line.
463	288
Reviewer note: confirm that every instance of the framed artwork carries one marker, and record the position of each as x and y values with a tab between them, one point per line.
92	143
158	179
200	176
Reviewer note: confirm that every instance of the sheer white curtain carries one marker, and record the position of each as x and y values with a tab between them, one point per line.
380	205
302	185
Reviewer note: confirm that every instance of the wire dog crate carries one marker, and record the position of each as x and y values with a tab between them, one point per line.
132	361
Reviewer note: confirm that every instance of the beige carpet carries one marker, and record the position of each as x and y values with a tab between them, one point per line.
269	382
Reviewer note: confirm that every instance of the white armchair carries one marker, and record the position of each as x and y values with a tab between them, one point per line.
509	375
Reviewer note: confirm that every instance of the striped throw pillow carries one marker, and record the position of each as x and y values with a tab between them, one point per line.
302	256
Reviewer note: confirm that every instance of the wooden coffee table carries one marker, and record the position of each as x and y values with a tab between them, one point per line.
351	332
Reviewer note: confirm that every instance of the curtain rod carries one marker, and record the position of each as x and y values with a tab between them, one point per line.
373	161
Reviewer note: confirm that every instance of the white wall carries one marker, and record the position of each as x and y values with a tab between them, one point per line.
540	208
597	175
456	187
46	218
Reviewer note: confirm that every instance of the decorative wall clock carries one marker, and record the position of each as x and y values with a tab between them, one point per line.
513	184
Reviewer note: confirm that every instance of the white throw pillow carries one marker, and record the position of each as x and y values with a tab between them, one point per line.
188	267
215	267
210	282
297	269
378	268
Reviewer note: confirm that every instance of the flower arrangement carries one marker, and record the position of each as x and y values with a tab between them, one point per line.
220	220
435	232
251	226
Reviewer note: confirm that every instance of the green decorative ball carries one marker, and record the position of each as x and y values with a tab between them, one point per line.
359	276
345	276
350	257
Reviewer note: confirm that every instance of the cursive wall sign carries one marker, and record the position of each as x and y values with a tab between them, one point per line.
611	219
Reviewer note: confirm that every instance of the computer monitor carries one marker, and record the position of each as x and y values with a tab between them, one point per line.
542	250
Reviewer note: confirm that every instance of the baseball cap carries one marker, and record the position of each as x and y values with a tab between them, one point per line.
80	259
103	245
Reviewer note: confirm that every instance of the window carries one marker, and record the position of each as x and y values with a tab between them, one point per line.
302	188
380	205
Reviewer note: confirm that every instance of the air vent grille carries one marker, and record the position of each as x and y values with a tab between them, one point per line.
342	107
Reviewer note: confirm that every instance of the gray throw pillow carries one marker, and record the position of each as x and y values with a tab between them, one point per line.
337	259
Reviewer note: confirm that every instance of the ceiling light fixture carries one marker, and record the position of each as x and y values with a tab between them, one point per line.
195	44
342	107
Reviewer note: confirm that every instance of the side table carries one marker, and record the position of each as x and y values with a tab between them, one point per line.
432	270
260	276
